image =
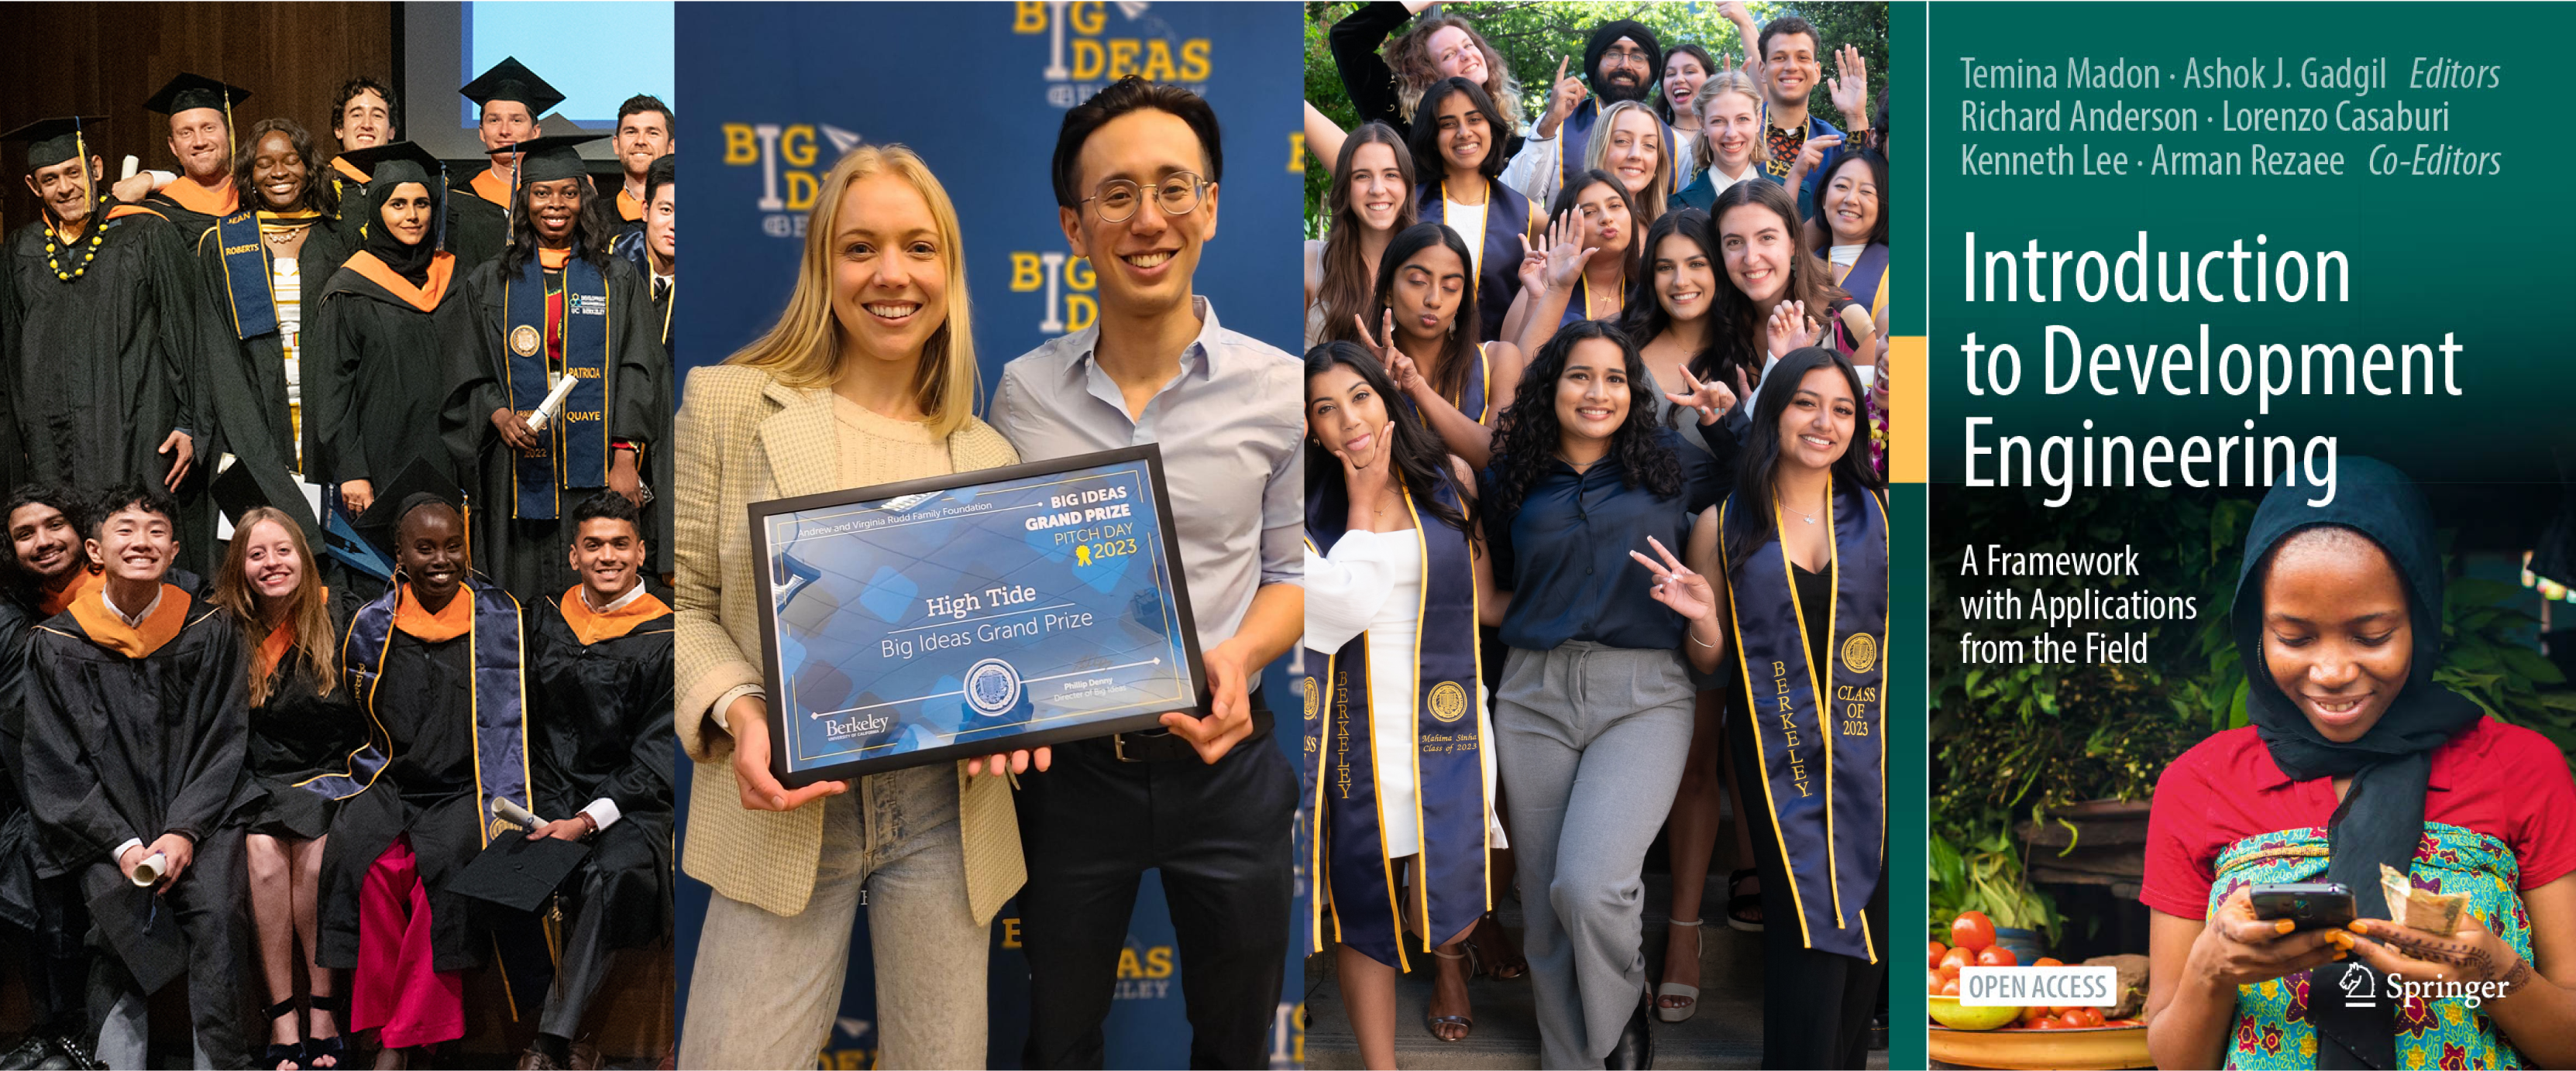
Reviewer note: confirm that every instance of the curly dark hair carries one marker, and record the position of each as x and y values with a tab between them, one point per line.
349	91
1526	440
145	495
591	231
1757	470
60	499
1421	463
317	197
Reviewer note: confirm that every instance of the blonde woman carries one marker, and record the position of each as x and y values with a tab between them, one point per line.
302	729
1634	147
867	378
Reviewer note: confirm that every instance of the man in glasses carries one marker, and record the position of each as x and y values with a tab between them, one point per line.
1619	63
1208	802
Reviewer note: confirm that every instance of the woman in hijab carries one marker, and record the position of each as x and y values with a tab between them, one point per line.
375	355
2357	759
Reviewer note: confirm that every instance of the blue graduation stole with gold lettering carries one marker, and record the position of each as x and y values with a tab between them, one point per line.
576	439
1448	757
500	722
1824	772
246	282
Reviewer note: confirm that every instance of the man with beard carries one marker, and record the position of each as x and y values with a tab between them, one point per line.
645	132
1206	802
136	772
201	137
42	918
1798	148
655	252
101	328
511	97
1620	61
553	305
601	667
362	120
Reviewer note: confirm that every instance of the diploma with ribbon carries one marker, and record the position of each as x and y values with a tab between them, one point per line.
939	619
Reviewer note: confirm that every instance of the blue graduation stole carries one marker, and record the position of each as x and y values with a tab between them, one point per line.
1867	272
576	440
1448	762
500	722
1824	772
246	281
1507	221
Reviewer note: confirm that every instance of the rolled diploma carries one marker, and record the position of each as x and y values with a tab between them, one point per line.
552	405
527	819
149	870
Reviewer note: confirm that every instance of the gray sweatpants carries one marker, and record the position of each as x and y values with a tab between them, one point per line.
1591	741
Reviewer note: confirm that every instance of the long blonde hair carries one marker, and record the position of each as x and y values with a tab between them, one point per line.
803	349
308	608
1660	187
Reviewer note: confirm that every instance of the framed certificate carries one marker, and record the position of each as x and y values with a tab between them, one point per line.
939	619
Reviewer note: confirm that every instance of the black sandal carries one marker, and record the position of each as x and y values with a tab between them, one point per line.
1496	955
1743	910
1433	1023
336	1047
282	1054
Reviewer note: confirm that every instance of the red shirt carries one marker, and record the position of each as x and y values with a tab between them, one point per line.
2501	780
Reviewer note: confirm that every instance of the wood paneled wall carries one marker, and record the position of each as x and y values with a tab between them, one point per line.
106	59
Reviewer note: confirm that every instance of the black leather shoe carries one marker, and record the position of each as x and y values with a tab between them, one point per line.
1636	1048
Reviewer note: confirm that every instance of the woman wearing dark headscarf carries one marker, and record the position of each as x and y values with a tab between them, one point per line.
2357	759
375	353
1802	544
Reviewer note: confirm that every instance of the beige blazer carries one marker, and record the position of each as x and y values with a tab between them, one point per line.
748	439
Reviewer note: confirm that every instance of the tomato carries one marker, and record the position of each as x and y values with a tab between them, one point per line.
1949	987
2073	1019
2093	1017
1933	983
1937	950
2047	961
2048	1024
2032	1014
1972	931
1995	956
1956	958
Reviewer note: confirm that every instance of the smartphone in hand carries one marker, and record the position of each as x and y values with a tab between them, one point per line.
2312	905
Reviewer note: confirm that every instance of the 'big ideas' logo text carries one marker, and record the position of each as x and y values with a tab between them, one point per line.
791	162
1083	56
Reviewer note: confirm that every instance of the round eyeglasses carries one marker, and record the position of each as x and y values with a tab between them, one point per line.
1177	194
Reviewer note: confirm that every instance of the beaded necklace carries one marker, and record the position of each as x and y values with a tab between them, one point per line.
89	249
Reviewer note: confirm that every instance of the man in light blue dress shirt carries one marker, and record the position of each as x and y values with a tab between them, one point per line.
1208	802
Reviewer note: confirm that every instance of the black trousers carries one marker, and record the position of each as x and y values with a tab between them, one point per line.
207	904
618	885
1816	1006
53	959
1091	826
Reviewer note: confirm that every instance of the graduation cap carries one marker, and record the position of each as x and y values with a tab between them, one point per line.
552	158
518	873
144	933
191	91
511	80
52	141
397	155
419	484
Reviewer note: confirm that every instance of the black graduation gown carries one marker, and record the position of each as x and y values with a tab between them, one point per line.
478	228
192	224
102	367
297	735
246	377
17	823
349	217
120	747
424	704
657	513
527	557
375	373
602	728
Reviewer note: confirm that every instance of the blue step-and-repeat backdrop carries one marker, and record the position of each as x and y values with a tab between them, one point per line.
778	91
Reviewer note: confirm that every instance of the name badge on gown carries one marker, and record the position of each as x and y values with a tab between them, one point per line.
946	618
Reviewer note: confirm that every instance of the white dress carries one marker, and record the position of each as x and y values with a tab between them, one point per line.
1372	582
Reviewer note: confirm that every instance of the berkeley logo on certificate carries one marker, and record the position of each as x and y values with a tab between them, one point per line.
939	619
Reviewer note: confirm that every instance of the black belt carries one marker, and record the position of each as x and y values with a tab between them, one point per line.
1162	745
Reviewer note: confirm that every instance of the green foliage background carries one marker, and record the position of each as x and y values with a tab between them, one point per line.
1532	34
